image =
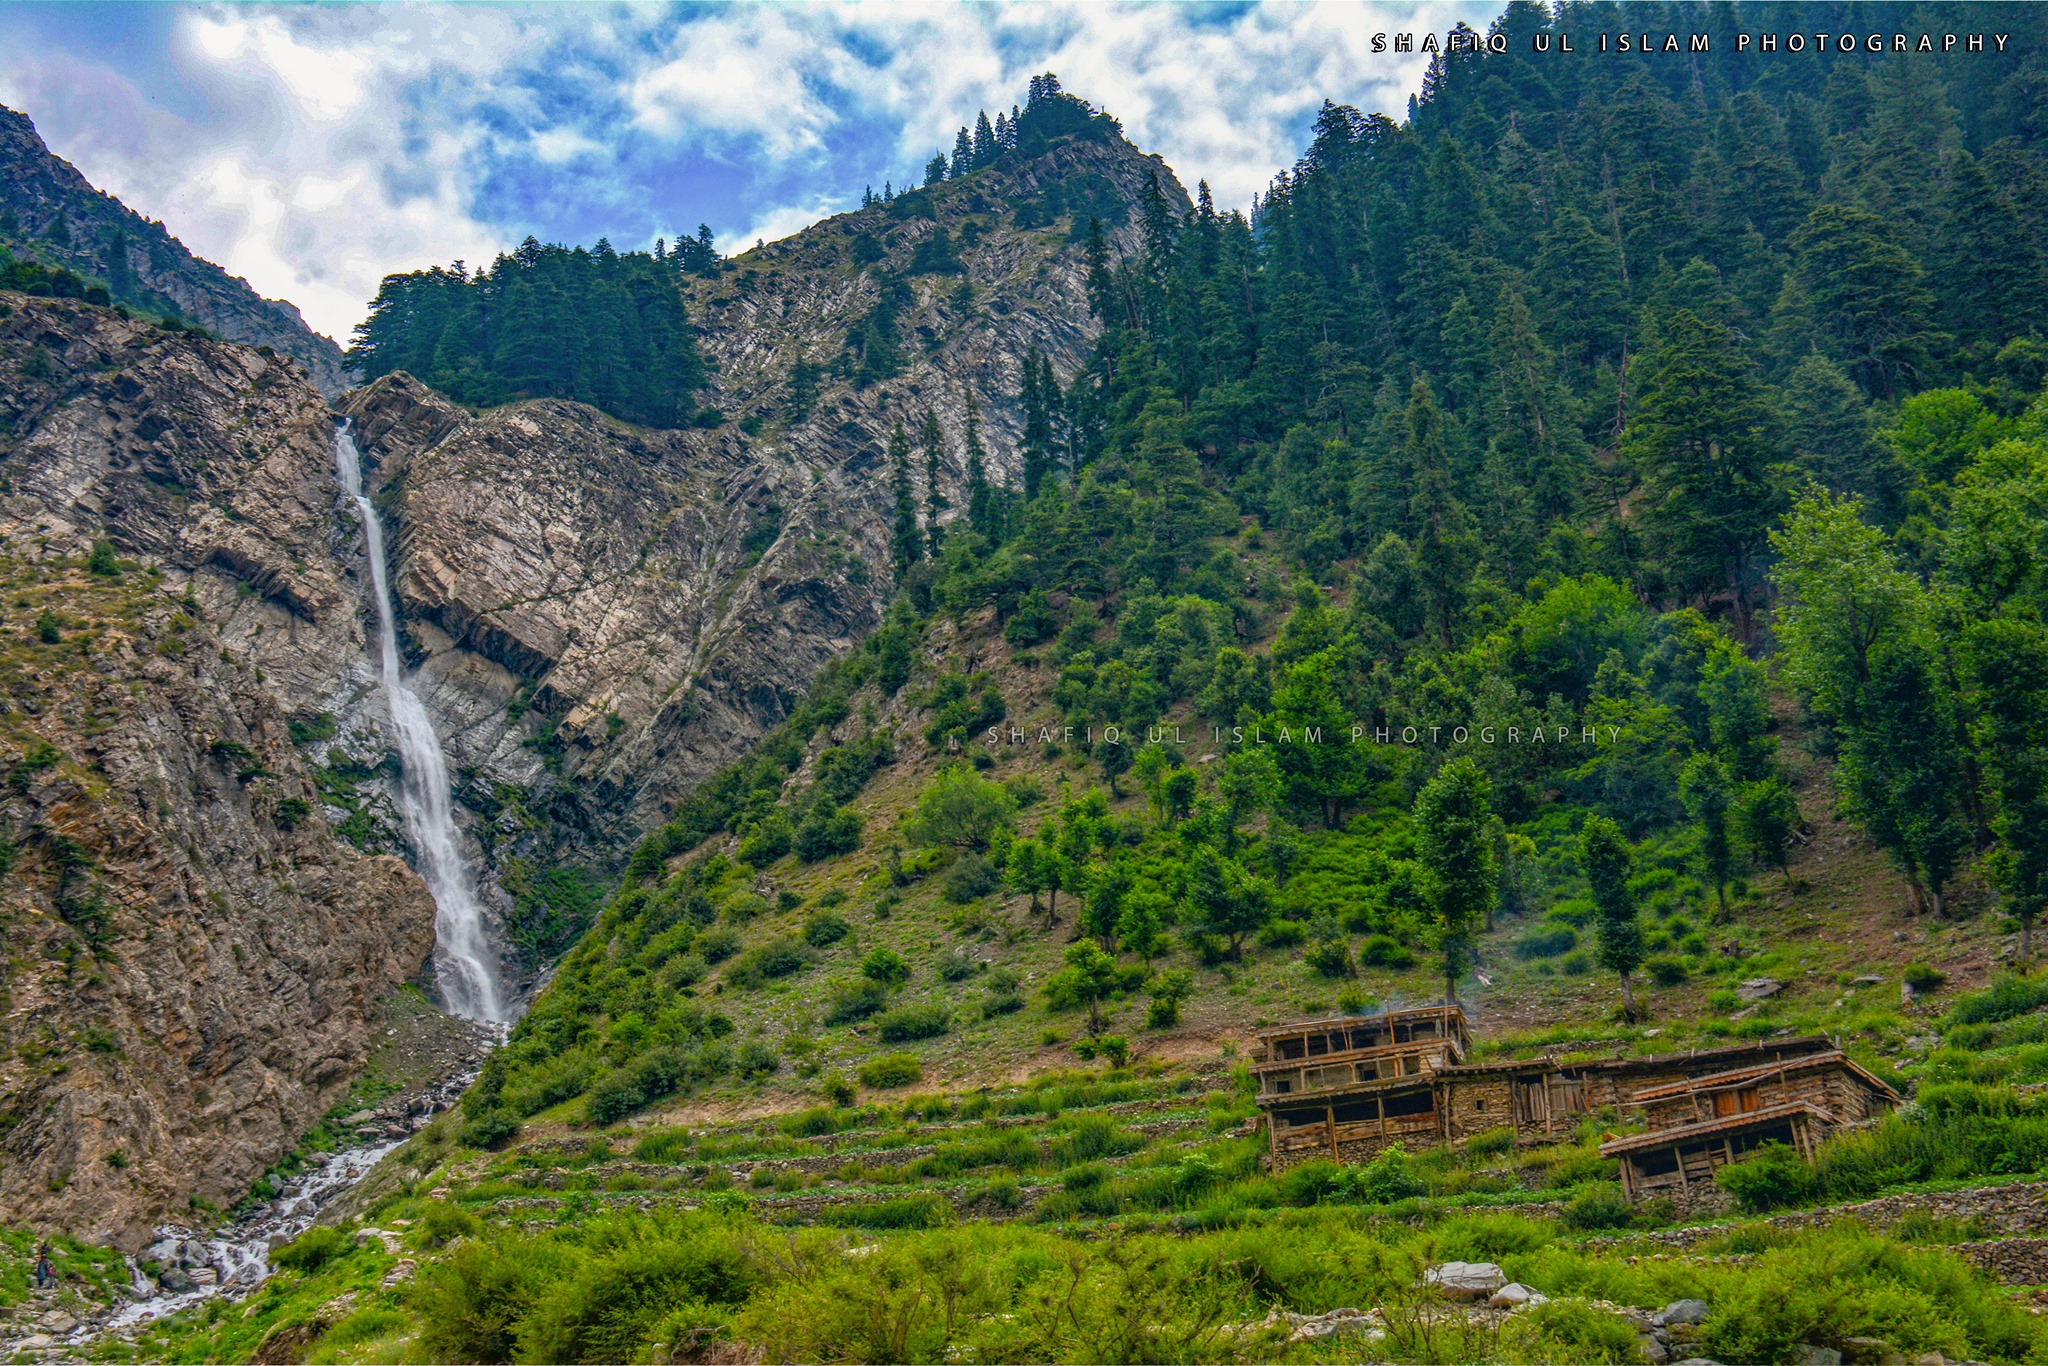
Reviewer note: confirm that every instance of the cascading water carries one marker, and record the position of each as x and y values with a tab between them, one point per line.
462	951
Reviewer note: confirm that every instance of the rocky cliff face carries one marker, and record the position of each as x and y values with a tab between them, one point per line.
203	905
49	211
656	601
193	958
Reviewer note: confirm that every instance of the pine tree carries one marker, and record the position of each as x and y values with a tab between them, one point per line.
985	147
1038	392
1874	312
963	154
1584	302
905	542
1444	545
1705	438
1993	273
935	501
981	505
1834	439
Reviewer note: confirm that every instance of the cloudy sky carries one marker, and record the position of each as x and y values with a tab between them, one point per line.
312	149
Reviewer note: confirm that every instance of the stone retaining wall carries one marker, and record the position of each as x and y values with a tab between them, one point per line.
2007	1211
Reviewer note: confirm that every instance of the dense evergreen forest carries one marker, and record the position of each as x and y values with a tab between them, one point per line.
1602	397
593	325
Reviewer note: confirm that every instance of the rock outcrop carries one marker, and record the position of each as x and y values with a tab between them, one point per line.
49	211
205	906
660	599
194	959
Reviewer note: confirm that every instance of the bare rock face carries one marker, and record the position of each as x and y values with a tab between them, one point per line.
205	905
656	601
48	210
194	959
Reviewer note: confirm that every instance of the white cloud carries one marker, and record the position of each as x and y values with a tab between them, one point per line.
323	147
775	224
740	73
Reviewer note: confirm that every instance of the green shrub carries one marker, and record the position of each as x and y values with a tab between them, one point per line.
1280	934
1488	1237
715	946
1829	1285
621	1292
890	1070
443	1223
311	1250
1771	1177
1665	970
1385	951
1090	1139
1491	1142
756	1058
825	929
1115	1047
1326	958
914	1022
856	1001
491	1129
957	966
970	876
1598	1207
827	834
910	1212
1570	1331
768	841
1546	941
2007	997
776	958
886	966
1923	976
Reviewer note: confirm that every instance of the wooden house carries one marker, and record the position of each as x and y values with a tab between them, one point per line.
1345	1088
1701	1124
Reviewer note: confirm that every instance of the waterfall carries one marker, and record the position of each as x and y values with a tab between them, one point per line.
462	951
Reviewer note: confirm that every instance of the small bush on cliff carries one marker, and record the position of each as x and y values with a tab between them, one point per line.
313	1249
891	1069
491	1129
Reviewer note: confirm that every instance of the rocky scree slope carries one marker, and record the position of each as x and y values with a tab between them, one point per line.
194	960
660	599
49	211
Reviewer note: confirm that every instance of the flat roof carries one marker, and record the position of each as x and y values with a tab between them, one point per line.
1807	1043
1834	1058
1354	1021
1708	1128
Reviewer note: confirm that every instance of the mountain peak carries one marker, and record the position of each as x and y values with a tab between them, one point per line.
51	213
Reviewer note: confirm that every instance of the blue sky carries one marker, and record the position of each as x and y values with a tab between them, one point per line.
312	149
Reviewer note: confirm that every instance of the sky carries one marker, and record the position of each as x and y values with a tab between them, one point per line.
313	149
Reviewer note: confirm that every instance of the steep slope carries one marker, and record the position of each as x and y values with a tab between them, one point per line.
50	212
608	614
194	959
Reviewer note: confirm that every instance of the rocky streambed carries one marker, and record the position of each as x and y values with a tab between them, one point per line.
188	1265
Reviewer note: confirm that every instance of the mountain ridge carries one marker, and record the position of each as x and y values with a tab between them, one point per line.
52	212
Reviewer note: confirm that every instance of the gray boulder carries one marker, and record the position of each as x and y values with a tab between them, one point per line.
1466	1280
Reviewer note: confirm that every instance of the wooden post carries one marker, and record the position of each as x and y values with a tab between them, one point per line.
1330	1118
1678	1151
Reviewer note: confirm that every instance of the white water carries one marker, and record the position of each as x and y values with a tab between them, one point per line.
239	1255
462	951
